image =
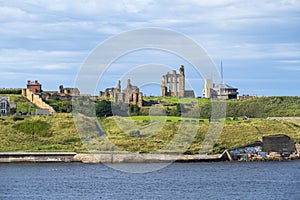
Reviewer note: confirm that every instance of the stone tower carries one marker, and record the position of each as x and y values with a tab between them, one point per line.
181	81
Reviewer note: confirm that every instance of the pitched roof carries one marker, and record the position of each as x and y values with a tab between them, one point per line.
223	85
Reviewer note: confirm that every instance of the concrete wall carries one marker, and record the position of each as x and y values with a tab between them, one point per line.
294	119
7	157
145	158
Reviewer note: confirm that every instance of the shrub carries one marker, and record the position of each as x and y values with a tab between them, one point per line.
18	118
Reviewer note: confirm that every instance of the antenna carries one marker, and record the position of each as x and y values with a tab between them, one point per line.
222	72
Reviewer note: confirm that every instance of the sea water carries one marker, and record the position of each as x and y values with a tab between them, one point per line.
222	180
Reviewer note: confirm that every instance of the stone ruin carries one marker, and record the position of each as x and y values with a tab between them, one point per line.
173	84
130	95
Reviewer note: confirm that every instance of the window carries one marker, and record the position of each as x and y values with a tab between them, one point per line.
3	105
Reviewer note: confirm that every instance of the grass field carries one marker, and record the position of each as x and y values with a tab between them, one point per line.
135	134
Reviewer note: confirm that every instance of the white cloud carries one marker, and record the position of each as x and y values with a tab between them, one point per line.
254	51
13	13
24	60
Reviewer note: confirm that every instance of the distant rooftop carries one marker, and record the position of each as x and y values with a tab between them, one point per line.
223	85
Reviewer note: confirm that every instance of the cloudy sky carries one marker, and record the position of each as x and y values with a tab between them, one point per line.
257	41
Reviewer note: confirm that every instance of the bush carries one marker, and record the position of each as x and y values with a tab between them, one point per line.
18	118
103	108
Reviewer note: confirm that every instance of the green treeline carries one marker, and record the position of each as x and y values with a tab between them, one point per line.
10	91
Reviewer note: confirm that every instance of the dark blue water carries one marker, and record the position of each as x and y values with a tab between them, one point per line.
257	180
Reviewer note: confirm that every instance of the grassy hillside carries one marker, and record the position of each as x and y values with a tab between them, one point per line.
23	105
58	133
38	133
265	107
260	107
234	134
149	133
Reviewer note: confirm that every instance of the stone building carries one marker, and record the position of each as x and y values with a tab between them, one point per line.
34	86
62	94
173	84
278	143
4	106
68	91
130	95
220	91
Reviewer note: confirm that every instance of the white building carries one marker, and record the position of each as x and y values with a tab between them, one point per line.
220	91
4	106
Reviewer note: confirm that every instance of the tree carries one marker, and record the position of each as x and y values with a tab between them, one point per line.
103	108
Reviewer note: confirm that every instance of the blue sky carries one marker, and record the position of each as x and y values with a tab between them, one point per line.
258	41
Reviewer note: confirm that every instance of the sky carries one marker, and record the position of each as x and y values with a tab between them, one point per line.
257	41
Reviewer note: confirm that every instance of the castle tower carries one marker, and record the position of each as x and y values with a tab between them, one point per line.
181	82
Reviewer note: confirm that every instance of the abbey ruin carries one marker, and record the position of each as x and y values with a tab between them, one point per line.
130	95
173	84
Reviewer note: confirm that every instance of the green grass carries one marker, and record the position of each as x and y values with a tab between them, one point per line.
23	105
135	134
164	118
261	107
234	134
149	133
175	100
39	133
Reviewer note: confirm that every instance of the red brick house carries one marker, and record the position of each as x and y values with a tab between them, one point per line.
34	86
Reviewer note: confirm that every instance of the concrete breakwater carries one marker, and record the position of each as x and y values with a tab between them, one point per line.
9	157
146	158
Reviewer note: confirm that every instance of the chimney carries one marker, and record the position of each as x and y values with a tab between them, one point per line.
28	82
36	82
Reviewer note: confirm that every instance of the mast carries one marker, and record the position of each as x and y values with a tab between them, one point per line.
222	72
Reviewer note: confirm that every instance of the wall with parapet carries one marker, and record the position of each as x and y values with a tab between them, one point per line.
36	100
